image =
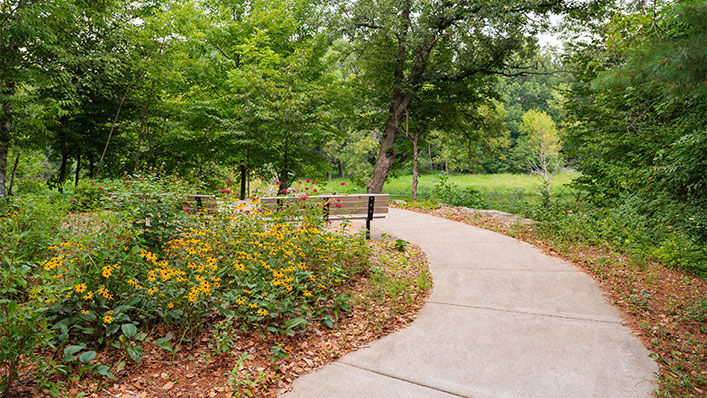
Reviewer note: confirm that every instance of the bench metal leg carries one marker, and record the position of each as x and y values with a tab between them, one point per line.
371	206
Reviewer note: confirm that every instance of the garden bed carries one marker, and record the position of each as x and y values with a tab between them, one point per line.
205	305
145	297
665	308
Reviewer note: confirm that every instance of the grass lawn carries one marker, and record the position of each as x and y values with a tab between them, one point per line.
507	192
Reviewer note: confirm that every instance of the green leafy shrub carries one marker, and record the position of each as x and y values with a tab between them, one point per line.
89	195
454	195
23	326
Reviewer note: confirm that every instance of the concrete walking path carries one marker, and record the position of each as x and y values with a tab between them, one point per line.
503	320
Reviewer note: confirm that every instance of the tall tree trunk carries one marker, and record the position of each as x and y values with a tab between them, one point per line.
414	164
9	90
341	169
91	167
142	125
386	153
78	168
112	127
13	174
244	176
62	168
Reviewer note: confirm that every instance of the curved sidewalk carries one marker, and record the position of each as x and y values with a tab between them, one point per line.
503	320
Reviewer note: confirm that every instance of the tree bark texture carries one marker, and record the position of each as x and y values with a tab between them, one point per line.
386	153
78	168
244	177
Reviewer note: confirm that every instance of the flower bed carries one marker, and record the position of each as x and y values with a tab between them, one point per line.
148	287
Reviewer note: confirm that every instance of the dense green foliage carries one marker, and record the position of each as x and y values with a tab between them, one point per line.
638	131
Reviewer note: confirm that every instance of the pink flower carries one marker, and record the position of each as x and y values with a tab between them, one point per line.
228	191
100	187
308	180
278	183
299	182
304	197
71	200
314	181
337	204
342	183
306	188
185	208
220	191
314	190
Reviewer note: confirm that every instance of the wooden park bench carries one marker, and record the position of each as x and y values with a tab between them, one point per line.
336	207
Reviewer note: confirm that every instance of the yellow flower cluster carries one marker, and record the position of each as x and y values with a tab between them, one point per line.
107	270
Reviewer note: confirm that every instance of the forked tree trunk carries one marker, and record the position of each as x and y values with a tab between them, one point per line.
386	153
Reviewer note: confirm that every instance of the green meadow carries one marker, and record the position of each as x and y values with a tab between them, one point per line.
506	192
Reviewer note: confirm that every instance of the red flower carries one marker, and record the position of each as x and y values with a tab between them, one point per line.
314	190
185	208
278	183
308	180
342	183
337	204
71	200
306	188
100	187
304	197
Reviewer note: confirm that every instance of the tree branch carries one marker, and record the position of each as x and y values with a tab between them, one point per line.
17	7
